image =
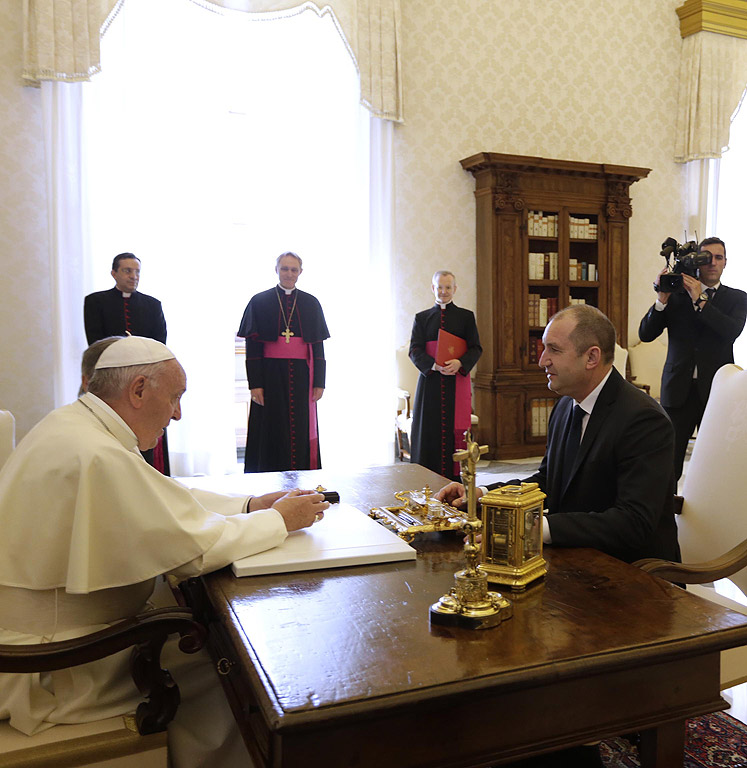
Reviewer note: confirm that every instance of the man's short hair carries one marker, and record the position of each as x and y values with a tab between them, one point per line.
111	383
119	257
289	253
442	273
91	357
712	241
593	328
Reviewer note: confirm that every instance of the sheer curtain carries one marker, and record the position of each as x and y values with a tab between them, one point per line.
236	138
726	213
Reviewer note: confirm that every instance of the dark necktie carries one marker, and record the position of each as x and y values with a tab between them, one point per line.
710	292
572	441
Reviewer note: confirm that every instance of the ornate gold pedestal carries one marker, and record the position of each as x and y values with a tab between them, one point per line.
468	603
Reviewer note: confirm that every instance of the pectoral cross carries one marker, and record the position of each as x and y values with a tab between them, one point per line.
287	333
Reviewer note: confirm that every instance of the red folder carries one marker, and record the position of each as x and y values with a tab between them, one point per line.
449	347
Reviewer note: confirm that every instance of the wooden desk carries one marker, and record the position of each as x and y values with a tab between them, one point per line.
341	668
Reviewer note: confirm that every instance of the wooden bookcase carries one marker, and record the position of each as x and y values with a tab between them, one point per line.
588	206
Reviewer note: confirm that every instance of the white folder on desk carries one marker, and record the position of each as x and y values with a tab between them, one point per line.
346	536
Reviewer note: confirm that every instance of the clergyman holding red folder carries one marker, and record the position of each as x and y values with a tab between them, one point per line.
444	346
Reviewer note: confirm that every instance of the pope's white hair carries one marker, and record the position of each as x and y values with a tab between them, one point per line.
110	383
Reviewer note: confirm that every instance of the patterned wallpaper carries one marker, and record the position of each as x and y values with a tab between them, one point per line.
593	80
25	338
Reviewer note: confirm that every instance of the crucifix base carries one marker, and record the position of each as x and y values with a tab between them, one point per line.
469	604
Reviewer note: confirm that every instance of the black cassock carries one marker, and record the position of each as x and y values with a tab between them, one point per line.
432	438
110	313
278	434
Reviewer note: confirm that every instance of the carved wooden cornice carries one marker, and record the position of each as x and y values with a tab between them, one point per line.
725	17
507	191
618	199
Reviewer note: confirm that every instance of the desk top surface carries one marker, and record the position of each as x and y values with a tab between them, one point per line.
346	637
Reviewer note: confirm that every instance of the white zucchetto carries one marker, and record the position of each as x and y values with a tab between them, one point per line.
134	350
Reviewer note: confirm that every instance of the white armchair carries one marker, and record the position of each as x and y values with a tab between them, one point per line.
714	508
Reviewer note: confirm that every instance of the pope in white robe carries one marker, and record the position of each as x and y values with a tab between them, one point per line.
88	527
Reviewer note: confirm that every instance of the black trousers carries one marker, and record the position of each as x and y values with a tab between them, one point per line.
684	419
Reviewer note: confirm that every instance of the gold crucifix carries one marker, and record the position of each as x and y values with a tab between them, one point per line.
287	333
468	458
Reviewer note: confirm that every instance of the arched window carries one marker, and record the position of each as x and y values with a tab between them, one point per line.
237	137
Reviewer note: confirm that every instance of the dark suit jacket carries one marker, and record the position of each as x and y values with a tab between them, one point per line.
619	497
103	315
705	339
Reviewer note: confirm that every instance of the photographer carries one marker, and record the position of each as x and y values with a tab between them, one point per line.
703	318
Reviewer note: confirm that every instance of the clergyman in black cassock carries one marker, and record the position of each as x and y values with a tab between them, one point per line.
124	311
284	330
435	433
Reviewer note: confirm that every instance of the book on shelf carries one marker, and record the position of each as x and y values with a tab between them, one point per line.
543	266
535	419
592	272
543	416
542	322
540	224
535	349
582	228
552	306
540	410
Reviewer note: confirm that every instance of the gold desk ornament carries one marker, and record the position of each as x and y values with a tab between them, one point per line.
511	549
468	603
418	512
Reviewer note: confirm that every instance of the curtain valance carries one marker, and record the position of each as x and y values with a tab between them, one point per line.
713	76
61	41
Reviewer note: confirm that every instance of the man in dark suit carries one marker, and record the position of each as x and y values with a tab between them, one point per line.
124	311
611	487
703	321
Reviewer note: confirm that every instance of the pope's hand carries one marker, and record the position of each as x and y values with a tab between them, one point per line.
301	508
265	501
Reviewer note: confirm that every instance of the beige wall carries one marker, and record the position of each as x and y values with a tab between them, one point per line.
593	80
25	332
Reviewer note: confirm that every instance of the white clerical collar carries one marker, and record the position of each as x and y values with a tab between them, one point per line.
288	291
111	421
443	304
125	295
588	403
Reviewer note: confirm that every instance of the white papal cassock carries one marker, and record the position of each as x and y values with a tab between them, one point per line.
87	527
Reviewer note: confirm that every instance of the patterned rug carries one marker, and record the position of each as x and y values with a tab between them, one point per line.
713	741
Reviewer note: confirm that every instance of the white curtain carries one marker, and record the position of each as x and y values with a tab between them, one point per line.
61	41
713	75
727	214
206	176
69	254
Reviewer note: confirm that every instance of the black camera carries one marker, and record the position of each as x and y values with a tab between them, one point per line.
687	260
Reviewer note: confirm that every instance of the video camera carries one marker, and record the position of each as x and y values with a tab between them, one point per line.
687	260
